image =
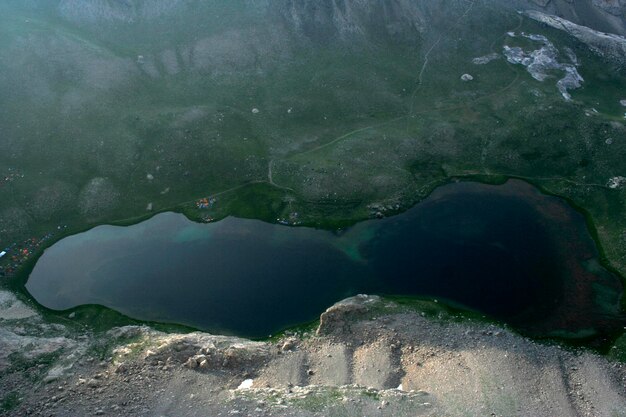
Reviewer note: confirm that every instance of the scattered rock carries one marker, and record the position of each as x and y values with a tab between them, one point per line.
13	309
246	384
191	363
541	62
401	348
289	344
608	45
121	368
485	59
50	378
93	383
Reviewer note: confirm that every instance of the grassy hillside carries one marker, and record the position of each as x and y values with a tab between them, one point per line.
114	110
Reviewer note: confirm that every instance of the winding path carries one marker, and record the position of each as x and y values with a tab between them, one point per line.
410	114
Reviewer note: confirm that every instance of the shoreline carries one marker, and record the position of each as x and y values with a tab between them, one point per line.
17	283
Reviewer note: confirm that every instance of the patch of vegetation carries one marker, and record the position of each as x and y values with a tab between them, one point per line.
104	347
10	401
317	401
371	394
618	351
433	309
32	369
101	319
304	331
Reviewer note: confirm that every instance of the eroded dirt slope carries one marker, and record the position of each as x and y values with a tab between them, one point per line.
367	357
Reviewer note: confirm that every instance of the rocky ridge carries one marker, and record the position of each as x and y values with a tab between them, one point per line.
610	46
600	15
368	356
345	17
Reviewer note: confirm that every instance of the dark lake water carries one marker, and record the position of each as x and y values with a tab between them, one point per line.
508	251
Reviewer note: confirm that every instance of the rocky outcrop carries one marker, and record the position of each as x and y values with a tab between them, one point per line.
13	309
610	46
369	356
602	15
338	317
540	62
325	19
346	19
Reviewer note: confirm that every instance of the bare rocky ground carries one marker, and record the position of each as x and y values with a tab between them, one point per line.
368	357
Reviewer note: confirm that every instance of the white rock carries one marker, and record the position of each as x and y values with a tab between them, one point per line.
93	383
540	63
616	182
482	60
13	309
246	384
289	344
255	111
466	77
191	363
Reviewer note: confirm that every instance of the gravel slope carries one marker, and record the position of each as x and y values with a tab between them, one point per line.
368	357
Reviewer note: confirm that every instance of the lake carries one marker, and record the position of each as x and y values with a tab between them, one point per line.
507	251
